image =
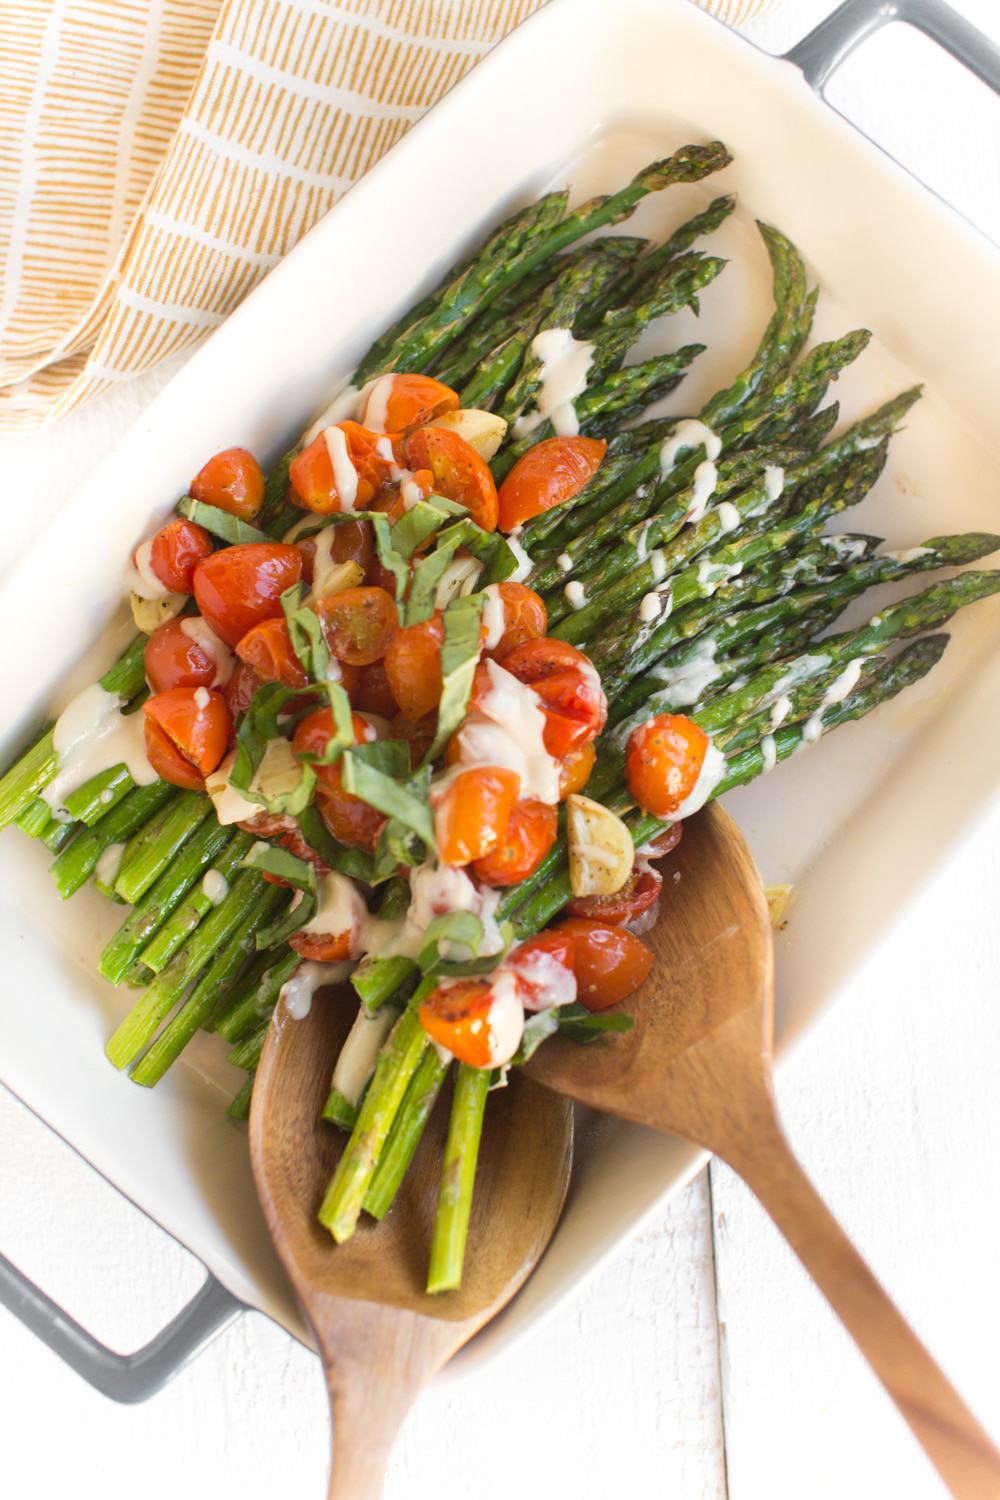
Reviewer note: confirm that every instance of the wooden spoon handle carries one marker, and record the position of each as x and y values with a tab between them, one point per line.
953	1440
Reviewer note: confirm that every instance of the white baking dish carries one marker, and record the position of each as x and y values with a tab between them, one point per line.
859	824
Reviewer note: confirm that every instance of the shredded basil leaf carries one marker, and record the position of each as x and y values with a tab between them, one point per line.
537	1028
388	796
343	728
452	927
220	523
397	565
258	725
458	969
582	1025
301	875
459	655
391	757
343	858
500	561
421	521
429	572
306	634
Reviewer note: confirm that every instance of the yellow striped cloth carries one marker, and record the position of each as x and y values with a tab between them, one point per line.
157	157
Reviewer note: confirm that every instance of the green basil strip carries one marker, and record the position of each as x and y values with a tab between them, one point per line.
391	757
388	796
343	728
581	1025
452	927
397	565
306	634
301	875
500	564
220	523
459	656
343	858
537	1028
421	521
258	725
428	574
397	845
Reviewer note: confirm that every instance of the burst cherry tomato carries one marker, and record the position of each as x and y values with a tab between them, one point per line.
175	659
239	587
531	832
413	666
315	486
240	688
472	813
398	403
372	693
418	734
349	818
459	472
267	648
231	481
522	618
549	474
609	962
358	624
457	1015
351	541
175	552
195	721
168	762
569	688
662	762
322	947
575	769
638	895
532	961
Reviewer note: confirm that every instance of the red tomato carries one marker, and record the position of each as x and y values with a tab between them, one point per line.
239	690
662	762
539	985
569	688
168	762
175	552
407	401
323	947
459	472
196	722
348	818
549	474
413	666
609	962
285	829
524	618
457	1015
372	693
666	842
231	481
352	541
267	648
314	484
638	895
239	587
358	624
471	814
175	659
574	772
531	832
418	733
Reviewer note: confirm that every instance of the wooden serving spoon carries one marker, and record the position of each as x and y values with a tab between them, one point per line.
698	1064
381	1337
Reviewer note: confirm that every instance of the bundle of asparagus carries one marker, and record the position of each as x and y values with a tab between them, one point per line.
690	562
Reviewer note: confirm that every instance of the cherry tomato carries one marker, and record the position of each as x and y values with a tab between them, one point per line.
239	690
352	541
665	842
549	474
175	552
285	829
358	624
418	733
524	618
407	401
323	947
372	693
349	818
459	472
638	895
531	832
575	769
413	666
240	586
175	659
267	648
472	812
609	962
314	483
231	481
539	985
195	720
168	762
457	1015
662	762
568	687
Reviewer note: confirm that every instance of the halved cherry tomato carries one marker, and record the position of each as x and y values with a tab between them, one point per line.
231	481
175	659
352	541
574	772
459	472
609	962
413	666
407	401
471	814
323	947
314	483
662	762
196	721
418	734
358	624
531	832
349	818
638	895
539	985
168	762
175	552
267	648
239	690
524	618
549	474
238	587
285	829
372	693
457	1015
568	687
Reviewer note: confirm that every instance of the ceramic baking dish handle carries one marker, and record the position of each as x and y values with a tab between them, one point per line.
821	53
124	1377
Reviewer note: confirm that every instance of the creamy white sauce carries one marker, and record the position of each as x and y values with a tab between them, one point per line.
811	730
346	405
340	908
657	565
713	769
107	796
556	983
410	492
354	1067
845	683
434	890
774	481
780	709
729	517
198	630
231	806
706	477
202	697
565	562
505	1018
909	554
712	575
524	562
377	404
565	365
689	681
649	608
642	543
345	475
689	434
139	576
575	593
508	731
214	887
769	752
296	994
845	548
494	619
109	864
92	735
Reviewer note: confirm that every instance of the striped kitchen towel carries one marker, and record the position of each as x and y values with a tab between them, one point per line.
157	157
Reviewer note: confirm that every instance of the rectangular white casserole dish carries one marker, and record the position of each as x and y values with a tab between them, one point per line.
850	823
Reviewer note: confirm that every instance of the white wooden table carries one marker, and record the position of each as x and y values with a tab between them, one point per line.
702	1364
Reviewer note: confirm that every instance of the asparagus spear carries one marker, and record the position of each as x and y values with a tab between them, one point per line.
79	859
407	1128
196	905
458	1175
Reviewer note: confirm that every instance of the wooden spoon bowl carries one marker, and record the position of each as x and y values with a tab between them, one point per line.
380	1336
